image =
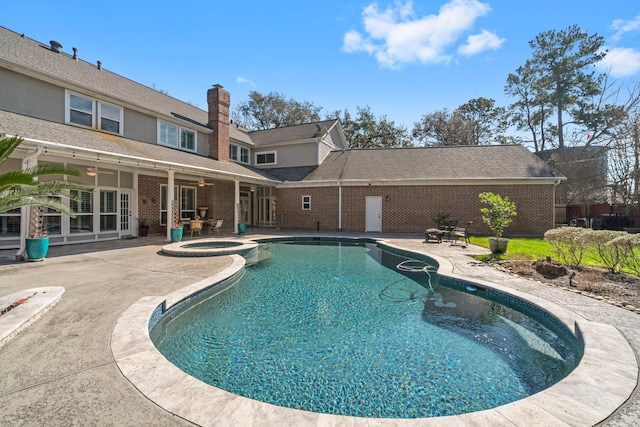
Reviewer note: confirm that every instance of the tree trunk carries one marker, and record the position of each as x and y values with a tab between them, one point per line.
560	125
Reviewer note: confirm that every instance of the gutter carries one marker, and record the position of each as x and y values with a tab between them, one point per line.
146	162
406	181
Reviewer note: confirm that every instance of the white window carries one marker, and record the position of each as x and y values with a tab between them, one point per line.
110	117
168	135
52	219
10	223
306	203
188	202
85	111
108	210
239	154
266	158
187	140
83	209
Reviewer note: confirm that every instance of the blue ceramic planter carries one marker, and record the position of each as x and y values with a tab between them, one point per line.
176	234
37	248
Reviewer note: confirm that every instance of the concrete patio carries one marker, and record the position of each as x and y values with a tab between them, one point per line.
61	370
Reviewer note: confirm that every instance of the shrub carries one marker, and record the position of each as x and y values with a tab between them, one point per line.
630	244
568	244
609	248
441	219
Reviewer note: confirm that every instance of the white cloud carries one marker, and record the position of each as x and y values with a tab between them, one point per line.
622	26
244	80
621	62
478	43
396	35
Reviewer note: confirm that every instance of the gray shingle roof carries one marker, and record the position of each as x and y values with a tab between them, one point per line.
72	136
291	133
432	163
31	55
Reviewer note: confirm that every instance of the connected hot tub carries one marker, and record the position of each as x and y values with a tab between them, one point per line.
211	247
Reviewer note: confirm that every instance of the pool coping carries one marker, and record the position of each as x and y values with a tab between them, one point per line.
603	380
180	249
29	306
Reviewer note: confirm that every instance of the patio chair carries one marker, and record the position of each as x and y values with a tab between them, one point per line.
452	225
195	225
215	226
462	234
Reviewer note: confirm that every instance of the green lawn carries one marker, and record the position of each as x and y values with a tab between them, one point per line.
530	248
519	247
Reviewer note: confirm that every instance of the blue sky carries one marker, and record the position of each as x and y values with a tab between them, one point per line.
401	58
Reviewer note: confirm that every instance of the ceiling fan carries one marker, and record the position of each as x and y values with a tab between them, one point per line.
94	171
202	183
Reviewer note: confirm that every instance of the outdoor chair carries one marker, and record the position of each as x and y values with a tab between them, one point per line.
195	225
216	226
452	225
462	234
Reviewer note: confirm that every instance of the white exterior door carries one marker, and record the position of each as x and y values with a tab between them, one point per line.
125	213
374	214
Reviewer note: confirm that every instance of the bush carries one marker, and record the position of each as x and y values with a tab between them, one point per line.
630	244
568	244
608	246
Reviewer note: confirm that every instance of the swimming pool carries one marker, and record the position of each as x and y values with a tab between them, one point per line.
296	331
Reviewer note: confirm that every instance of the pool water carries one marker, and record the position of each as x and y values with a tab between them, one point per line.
339	329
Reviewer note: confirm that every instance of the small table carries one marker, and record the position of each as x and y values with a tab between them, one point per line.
433	234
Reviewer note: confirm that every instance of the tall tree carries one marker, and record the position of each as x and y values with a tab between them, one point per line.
560	74
274	110
624	162
489	122
531	110
444	128
368	131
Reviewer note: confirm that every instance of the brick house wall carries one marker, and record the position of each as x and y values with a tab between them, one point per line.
218	197
324	208
411	209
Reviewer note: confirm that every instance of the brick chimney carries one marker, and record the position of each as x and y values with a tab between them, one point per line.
219	101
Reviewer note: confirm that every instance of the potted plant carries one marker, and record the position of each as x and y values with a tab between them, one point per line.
441	220
203	211
242	226
497	214
176	224
37	244
19	188
143	227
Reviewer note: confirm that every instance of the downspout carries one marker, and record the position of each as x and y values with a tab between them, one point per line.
28	162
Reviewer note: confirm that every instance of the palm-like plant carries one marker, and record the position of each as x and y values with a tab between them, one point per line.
21	187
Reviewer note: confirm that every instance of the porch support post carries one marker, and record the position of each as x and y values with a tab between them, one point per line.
170	197
339	206
236	206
